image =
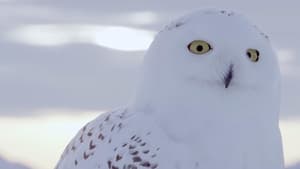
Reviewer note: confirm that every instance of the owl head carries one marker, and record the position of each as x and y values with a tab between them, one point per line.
209	57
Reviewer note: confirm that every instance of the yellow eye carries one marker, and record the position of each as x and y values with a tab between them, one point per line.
253	55
199	47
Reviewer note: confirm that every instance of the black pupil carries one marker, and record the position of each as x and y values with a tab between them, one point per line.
257	52
249	54
199	48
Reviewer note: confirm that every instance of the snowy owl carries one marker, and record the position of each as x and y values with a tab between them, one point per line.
208	99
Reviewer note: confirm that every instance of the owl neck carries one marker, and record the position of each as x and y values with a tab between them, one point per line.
175	104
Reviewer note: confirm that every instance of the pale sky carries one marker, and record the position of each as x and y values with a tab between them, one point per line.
62	63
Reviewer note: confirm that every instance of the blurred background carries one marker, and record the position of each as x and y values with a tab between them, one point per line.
64	62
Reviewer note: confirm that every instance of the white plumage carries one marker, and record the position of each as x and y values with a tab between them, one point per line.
208	99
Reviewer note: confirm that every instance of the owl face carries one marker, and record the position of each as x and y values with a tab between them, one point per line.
217	49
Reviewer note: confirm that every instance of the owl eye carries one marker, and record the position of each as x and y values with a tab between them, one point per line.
253	55
199	47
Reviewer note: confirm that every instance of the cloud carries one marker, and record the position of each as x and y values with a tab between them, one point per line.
288	62
291	140
113	37
290	80
40	140
72	77
9	165
296	166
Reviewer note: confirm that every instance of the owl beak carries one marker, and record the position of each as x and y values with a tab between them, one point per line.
228	77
